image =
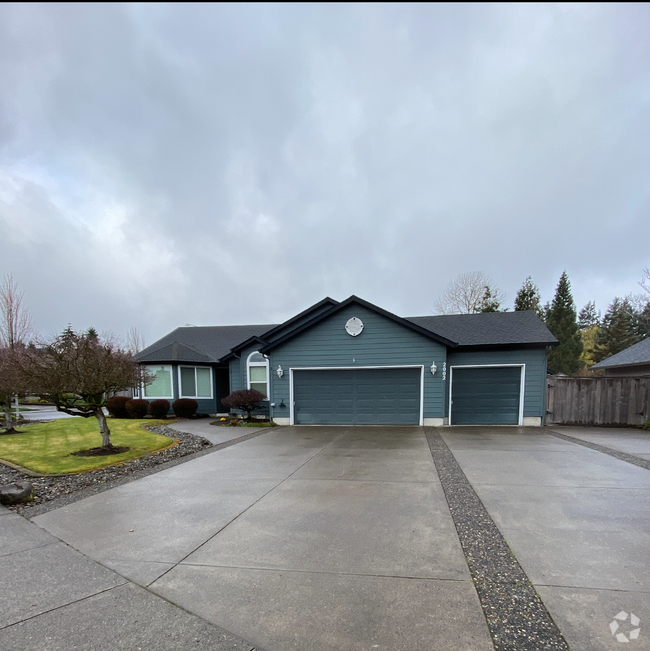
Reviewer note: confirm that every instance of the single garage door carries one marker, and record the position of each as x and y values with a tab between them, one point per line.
357	397
485	396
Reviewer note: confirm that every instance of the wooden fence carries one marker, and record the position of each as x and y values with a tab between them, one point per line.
614	402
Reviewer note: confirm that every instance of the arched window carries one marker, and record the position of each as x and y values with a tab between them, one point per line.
257	371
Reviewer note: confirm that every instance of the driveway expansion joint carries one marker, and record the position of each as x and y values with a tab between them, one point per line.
617	454
516	617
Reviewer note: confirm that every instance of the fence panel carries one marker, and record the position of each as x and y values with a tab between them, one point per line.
605	401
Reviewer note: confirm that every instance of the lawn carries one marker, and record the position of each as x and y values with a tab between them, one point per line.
47	448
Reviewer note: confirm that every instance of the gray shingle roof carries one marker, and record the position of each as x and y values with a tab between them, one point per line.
489	329
210	342
637	354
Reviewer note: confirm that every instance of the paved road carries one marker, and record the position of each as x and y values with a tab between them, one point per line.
341	538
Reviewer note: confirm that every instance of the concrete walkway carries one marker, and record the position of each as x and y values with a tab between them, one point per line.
304	538
577	520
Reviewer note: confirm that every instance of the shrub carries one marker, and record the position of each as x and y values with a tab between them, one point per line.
185	407
159	408
247	400
117	406
137	408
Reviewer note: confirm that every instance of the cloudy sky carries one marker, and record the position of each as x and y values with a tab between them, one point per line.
171	164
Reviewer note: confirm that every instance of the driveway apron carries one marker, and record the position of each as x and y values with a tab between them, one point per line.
305	538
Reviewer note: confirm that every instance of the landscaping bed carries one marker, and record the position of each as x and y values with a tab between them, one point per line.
55	491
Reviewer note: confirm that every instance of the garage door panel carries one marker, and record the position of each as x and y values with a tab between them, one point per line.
486	396
357	397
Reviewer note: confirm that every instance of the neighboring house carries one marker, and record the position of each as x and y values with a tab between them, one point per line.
355	363
633	361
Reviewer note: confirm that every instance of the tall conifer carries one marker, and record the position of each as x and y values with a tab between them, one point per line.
562	322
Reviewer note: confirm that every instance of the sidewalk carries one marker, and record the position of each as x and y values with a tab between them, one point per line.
54	598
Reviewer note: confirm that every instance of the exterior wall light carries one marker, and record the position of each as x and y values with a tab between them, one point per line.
434	368
280	372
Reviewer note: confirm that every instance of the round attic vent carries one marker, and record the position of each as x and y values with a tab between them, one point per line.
354	326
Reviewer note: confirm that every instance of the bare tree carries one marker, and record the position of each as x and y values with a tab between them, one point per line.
135	341
12	381
16	327
80	372
645	280
464	294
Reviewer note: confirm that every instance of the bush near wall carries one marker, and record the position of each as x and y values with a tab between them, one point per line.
159	408
117	406
185	407
137	408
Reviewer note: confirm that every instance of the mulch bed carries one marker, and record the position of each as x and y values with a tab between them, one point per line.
55	491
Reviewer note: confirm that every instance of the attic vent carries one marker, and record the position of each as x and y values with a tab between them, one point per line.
354	326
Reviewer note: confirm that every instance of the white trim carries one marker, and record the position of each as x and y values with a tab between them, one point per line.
522	383
196	384
351	368
265	363
170	368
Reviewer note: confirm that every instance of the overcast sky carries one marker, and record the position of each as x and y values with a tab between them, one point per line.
220	164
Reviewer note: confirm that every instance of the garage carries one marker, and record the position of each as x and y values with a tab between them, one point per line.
486	396
374	396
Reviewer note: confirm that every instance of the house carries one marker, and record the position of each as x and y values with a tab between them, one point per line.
352	362
631	362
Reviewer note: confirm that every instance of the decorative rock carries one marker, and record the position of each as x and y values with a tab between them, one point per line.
15	493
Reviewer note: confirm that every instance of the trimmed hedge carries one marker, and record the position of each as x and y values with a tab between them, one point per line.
185	407
137	408
117	406
159	408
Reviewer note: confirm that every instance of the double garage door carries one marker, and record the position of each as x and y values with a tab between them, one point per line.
357	396
485	396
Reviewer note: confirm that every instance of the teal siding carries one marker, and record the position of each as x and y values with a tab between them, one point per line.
298	322
382	343
238	379
535	376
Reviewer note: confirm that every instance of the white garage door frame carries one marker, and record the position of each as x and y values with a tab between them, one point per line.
292	403
522	385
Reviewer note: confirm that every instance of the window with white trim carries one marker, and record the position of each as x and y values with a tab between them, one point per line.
161	387
257	371
195	381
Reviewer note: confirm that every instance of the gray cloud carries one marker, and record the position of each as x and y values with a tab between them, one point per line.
231	164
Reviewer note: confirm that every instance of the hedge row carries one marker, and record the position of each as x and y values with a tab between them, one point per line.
123	407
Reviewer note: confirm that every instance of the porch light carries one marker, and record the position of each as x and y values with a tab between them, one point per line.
280	372
434	368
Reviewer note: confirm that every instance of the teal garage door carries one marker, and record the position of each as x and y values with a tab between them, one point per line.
357	397
485	396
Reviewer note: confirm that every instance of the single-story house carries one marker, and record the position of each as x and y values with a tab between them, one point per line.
631	362
351	362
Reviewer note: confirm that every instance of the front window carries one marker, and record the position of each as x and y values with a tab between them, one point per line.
195	381
258	373
161	387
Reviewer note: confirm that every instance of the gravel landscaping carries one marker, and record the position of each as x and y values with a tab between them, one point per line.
55	491
515	614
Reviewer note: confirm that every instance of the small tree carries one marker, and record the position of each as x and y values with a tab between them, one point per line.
490	303
80	372
562	322
12	380
247	400
529	298
464	294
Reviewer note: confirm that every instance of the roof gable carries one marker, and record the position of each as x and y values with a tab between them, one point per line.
175	352
359	301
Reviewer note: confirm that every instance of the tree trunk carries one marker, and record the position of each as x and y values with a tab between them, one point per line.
103	428
9	424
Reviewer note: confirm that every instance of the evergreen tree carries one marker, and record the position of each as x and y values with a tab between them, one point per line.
588	316
643	321
562	322
618	330
490	301
529	298
91	333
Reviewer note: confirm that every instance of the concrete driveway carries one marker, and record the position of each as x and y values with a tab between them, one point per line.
303	538
341	538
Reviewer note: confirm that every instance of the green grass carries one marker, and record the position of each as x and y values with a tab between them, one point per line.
47	448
